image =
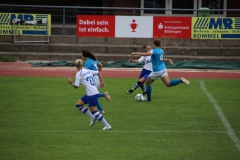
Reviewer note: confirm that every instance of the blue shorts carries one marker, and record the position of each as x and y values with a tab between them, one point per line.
144	73
90	100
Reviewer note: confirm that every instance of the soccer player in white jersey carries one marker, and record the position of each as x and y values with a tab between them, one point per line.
93	64
146	70
158	68
85	77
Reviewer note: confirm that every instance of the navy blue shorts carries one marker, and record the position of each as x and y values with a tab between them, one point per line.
90	100
144	73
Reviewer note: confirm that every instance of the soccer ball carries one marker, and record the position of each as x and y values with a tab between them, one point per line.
139	97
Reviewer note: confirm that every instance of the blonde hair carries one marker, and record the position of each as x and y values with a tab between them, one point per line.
147	44
78	63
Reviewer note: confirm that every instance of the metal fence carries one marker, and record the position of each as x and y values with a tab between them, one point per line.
64	17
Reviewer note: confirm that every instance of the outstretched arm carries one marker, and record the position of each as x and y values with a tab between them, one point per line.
169	60
100	79
70	82
141	53
100	66
132	60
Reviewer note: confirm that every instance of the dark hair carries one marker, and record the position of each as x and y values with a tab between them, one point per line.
157	43
88	54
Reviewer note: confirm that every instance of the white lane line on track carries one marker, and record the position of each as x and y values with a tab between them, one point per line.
111	131
228	127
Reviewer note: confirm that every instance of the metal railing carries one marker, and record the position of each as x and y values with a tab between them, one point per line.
64	17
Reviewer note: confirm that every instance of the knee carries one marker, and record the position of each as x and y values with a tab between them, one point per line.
142	80
167	85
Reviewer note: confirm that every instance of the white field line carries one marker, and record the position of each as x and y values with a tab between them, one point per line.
228	127
110	131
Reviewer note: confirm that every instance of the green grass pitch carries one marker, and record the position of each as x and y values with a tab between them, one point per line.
39	120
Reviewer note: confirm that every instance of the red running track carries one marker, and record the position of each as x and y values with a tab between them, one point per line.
25	69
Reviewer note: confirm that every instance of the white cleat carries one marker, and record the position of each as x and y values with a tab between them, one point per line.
144	98
102	112
184	80
106	127
92	122
107	96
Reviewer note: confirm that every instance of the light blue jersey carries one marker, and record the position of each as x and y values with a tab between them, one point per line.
91	64
157	56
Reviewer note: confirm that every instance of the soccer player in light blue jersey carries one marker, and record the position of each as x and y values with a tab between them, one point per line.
85	77
146	70
158	68
92	64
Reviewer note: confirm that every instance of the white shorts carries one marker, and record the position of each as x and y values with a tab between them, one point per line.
159	74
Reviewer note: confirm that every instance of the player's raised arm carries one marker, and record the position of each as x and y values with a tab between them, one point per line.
141	53
169	60
132	60
100	66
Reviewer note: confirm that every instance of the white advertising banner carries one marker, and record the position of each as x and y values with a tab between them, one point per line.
134	26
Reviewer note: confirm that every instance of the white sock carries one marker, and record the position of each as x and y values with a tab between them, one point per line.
84	110
100	117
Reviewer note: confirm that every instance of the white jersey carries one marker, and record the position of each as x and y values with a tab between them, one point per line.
85	77
148	62
97	81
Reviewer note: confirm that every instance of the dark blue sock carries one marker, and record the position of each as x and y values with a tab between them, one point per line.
143	88
175	82
99	106
139	83
148	91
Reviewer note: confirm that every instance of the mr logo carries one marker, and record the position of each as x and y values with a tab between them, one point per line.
221	23
25	17
213	23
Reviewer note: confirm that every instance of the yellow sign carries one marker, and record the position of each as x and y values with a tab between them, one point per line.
25	24
215	28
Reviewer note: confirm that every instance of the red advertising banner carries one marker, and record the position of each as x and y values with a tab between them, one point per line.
95	26
172	27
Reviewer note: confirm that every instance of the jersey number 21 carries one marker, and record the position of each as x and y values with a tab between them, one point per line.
91	80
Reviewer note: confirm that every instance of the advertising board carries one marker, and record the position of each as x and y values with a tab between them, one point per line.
25	24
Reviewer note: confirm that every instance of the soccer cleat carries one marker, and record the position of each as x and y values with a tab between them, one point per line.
107	96
92	122
144	98
184	80
101	111
106	127
129	91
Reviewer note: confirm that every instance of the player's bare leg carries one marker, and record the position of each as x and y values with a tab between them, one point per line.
166	80
140	83
80	106
100	117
